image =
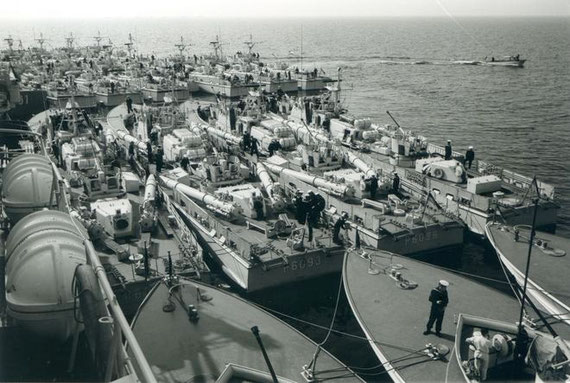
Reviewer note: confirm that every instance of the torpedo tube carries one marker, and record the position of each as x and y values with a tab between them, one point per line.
147	220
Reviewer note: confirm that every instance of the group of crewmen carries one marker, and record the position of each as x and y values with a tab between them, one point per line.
308	209
467	160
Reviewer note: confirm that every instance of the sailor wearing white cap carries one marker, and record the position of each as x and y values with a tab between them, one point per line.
439	300
469	157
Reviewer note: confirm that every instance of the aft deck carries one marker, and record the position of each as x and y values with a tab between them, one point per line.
549	267
394	318
181	350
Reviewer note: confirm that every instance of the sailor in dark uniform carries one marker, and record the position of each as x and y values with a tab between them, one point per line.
159	159
273	147
184	162
149	151
129	104
373	186
448	150
439	300
469	157
396	183
254	149
300	208
339	224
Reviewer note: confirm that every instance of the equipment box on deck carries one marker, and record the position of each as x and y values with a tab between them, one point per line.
483	184
131	182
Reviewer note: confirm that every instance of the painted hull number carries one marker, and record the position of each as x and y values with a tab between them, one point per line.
303	263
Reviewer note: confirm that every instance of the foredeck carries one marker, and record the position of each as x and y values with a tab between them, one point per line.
548	271
394	318
180	350
116	115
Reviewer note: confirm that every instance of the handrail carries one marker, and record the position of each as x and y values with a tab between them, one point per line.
118	316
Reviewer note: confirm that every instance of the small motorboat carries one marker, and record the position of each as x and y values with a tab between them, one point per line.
511	61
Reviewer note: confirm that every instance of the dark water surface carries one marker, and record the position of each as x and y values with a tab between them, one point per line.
516	118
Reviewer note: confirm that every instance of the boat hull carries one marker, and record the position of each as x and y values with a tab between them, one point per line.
85	101
231	91
544	272
420	239
512	64
276	272
114	99
287	86
157	95
394	318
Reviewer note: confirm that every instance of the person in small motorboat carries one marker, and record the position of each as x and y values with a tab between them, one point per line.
482	345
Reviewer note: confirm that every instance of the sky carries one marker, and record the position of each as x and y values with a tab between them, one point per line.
31	9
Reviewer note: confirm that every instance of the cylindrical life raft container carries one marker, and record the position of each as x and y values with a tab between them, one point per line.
28	181
42	253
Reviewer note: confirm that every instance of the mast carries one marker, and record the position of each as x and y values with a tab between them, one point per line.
250	44
98	39
217	45
130	44
10	41
41	41
69	41
301	48
530	244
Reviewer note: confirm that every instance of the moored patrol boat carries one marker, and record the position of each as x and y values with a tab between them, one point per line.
475	195
225	339
548	269
386	293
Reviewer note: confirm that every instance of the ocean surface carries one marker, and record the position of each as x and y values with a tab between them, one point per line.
517	118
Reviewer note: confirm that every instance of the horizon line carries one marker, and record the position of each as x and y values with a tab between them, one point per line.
296	17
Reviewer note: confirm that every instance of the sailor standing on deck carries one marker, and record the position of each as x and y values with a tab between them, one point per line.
448	150
254	149
469	157
300	208
373	186
396	183
159	159
149	151
339	224
129	104
184	162
273	147
439	300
